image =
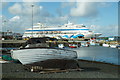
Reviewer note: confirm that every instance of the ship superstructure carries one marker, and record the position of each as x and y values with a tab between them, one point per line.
69	30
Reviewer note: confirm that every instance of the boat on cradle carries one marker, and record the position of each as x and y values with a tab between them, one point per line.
31	55
106	45
35	53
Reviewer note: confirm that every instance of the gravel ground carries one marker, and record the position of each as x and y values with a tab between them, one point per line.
90	70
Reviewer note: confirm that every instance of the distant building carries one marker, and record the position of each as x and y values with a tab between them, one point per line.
7	35
10	35
102	38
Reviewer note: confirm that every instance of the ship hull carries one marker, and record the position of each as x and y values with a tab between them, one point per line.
28	56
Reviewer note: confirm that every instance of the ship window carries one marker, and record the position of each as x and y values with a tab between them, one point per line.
38	41
90	31
83	26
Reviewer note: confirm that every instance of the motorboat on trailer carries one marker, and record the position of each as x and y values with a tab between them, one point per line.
31	54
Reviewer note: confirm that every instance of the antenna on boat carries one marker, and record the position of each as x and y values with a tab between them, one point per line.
68	21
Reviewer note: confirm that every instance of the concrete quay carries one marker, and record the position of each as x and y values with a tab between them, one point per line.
18	43
13	41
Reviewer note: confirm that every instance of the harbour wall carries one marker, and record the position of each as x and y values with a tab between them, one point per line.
19	43
12	43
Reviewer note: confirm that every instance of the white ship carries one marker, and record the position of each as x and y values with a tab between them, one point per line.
69	30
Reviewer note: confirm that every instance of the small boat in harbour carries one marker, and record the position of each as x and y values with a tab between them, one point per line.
113	46
118	46
106	45
73	45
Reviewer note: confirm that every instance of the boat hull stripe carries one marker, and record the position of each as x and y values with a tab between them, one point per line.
57	30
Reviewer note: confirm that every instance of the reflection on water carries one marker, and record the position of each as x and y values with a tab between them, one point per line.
98	53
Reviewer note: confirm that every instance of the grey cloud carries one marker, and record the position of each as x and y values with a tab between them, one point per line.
24	8
109	30
84	9
15	9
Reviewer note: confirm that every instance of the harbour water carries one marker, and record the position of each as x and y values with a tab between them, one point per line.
99	53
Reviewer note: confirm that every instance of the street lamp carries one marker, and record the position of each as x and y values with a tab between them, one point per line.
5	24
32	18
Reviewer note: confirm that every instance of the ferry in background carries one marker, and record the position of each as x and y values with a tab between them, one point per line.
68	31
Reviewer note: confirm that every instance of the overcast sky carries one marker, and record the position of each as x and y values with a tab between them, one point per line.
102	17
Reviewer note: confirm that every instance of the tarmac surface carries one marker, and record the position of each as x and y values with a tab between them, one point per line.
89	70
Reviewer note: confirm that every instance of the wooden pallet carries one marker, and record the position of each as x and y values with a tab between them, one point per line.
57	70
